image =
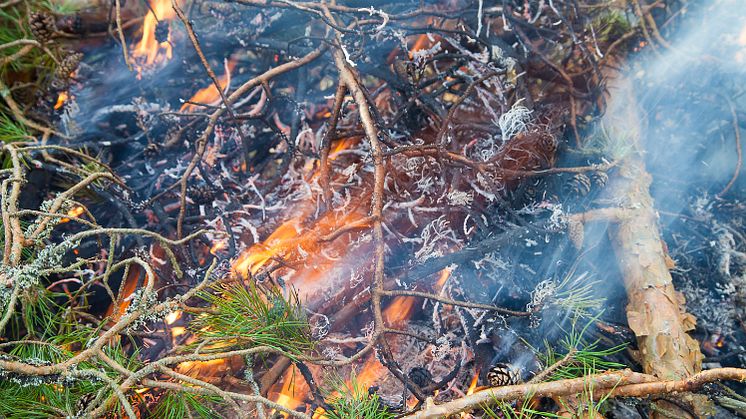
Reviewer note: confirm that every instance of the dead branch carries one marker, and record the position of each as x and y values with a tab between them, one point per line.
616	384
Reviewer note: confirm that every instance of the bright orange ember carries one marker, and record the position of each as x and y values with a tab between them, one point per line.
61	99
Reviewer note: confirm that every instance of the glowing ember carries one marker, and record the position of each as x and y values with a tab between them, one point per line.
218	246
444	275
61	99
172	317
149	49
210	95
178	331
76	211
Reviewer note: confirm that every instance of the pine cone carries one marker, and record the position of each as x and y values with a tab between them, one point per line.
161	31
201	194
68	65
421	377
503	375
578	185
42	26
599	178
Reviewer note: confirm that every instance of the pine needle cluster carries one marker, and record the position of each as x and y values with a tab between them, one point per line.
248	316
350	399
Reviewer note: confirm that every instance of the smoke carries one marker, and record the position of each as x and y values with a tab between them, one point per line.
688	97
685	94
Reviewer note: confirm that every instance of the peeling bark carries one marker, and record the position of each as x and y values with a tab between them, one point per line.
655	310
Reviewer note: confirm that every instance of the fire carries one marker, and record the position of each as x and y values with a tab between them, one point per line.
218	246
422	42
473	384
61	99
444	275
75	211
178	331
399	310
291	238
149	48
172	317
210	95
293	391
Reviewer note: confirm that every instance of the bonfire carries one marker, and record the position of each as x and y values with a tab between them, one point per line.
383	209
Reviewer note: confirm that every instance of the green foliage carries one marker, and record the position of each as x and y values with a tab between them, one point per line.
177	405
611	25
611	143
247	315
587	358
587	405
576	294
584	359
506	410
62	7
14	26
351	400
11	131
37	397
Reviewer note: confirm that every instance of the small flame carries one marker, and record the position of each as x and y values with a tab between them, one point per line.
61	99
293	391
399	310
218	246
444	275
177	331
210	95
149	48
75	211
421	43
473	385
173	316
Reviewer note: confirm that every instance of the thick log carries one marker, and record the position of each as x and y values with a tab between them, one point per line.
655	310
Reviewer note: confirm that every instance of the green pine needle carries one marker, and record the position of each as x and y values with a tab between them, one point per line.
177	405
351	400
247	316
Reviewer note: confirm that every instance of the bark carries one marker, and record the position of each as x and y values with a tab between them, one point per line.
655	311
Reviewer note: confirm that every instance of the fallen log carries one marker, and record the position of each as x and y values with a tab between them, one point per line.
655	311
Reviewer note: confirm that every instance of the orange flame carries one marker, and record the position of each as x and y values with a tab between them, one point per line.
210	95
293	391
178	331
218	246
444	275
75	211
61	99
422	42
149	48
173	316
473	385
